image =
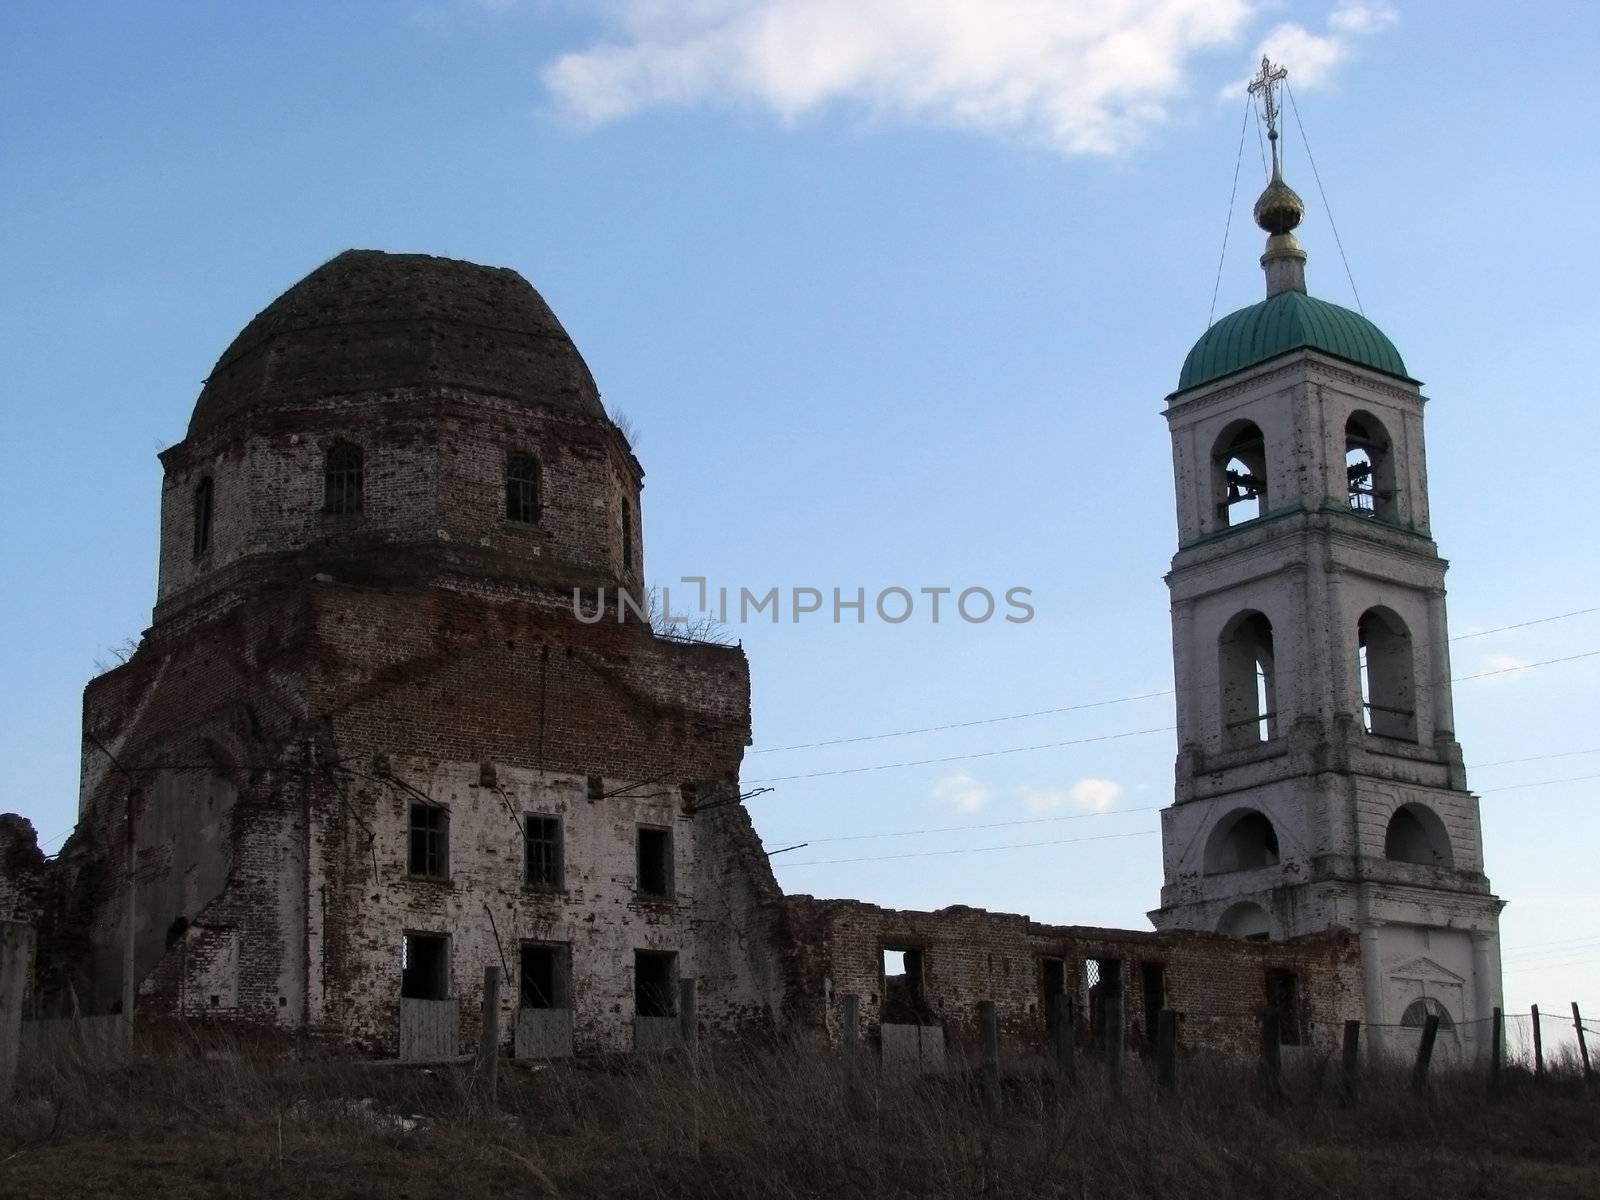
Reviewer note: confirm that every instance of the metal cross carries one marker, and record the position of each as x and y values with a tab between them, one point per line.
1265	85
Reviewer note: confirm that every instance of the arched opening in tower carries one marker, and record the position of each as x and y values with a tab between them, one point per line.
1369	466
1239	474
1388	679
1244	840
1417	835
1247	675
1247	920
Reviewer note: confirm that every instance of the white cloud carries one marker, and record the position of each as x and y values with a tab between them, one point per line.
1311	57
1089	795
1083	76
962	791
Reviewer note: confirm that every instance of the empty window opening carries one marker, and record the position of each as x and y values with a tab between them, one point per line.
1247	675
1369	466
425	967
1283	994
1423	1007
545	973
627	537
1246	920
203	493
655	983
175	931
1153	977
1244	840
542	841
1053	983
342	472
430	841
655	862
905	996
1239	474
1417	835
1388	687
1102	982
522	489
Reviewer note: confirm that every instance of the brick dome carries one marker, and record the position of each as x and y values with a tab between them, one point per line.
371	321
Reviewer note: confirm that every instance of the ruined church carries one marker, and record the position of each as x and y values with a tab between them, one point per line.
366	748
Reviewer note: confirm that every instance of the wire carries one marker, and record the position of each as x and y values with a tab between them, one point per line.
863	837
1042	712
1506	762
1328	208
1512	787
1579	612
1526	666
1047	712
1227	224
1099	837
925	762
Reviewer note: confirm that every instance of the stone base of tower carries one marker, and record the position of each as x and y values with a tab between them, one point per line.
1423	952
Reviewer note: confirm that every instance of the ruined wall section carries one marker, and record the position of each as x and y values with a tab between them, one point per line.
23	872
1219	984
204	730
494	702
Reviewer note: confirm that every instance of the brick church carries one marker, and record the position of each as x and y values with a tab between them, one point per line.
366	748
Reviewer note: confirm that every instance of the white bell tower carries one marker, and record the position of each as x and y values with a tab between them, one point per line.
1318	781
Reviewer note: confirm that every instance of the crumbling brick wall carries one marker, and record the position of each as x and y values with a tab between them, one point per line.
1218	984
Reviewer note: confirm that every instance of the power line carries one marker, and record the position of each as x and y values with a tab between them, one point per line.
1506	762
1099	837
1049	712
864	837
925	762
1513	787
1580	612
1042	712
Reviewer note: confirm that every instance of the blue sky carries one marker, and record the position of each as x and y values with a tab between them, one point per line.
894	295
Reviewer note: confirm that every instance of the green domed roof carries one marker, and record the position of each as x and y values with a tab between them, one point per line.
1288	321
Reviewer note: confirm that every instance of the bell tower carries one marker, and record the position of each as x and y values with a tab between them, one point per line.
1318	779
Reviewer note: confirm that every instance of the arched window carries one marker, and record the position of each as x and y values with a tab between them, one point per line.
627	536
1239	474
1417	835
342	471
1244	840
202	516
1245	920
522	489
1388	689
1369	466
1423	1007
1247	677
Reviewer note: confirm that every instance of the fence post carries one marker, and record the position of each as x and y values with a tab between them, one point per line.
1061	1036
688	1016
1496	1051
1350	1077
1271	1050
1419	1073
1167	1048
989	1033
1583	1045
1538	1046
16	957
850	1022
489	1036
1113	1030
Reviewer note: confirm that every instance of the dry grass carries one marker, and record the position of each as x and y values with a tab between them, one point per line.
773	1123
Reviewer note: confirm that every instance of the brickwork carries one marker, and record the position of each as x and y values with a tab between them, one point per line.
969	954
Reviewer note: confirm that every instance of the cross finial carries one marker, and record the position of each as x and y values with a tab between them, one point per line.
1265	85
